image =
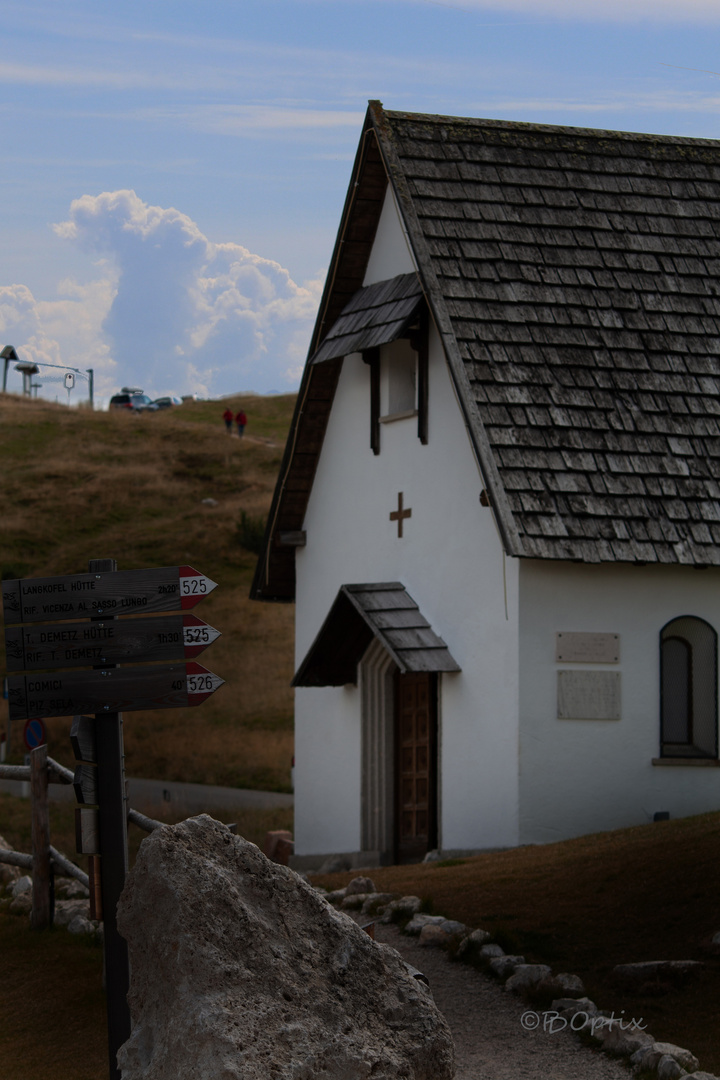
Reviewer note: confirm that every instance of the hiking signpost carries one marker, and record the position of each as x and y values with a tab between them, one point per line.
41	683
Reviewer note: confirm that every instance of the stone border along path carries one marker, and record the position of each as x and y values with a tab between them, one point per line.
497	1036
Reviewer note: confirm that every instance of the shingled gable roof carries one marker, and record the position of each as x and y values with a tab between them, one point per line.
382	610
573	276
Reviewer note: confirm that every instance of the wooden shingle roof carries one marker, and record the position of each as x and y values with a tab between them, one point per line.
577	272
374	315
574	278
382	610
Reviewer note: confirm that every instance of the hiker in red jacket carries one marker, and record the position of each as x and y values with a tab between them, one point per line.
228	418
241	421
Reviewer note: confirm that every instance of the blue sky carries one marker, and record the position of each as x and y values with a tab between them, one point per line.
173	171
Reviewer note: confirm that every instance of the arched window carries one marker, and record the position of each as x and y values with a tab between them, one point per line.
688	681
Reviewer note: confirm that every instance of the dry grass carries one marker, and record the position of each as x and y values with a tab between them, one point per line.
79	485
585	905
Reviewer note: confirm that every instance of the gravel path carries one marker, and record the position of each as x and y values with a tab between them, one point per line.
490	1041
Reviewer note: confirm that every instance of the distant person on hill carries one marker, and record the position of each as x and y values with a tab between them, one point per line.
228	418
241	421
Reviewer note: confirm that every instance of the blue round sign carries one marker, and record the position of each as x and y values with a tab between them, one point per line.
34	733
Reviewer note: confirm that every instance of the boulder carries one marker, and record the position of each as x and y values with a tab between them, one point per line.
67	888
21	904
488	952
8	874
239	969
471	945
354	901
360	885
563	983
67	910
527	977
418	921
442	934
667	1068
504	966
22	885
659	972
570	1007
375	903
336	896
623	1042
684	1057
404	908
649	1058
81	925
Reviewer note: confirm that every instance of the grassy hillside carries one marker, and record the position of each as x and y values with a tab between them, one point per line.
78	485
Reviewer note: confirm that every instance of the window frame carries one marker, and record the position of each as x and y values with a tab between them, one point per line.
690	749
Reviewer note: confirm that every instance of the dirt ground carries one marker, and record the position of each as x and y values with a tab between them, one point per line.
490	1040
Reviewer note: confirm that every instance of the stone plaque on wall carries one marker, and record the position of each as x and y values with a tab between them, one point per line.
588	695
583	648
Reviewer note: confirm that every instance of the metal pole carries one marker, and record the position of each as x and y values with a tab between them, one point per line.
91	386
113	861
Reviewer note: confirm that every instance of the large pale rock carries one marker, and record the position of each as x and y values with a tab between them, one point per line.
67	910
360	885
241	971
8	874
526	977
403	908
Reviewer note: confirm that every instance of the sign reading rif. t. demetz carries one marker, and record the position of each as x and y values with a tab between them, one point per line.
165	588
106	641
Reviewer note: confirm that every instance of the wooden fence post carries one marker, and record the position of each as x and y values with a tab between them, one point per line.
41	914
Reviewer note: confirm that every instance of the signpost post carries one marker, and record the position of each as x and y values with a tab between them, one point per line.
35	651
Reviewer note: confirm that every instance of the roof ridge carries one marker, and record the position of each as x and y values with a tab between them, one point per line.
514	125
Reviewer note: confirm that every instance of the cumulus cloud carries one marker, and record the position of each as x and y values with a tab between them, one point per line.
187	314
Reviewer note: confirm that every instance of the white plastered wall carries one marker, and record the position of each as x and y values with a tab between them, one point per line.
582	776
451	562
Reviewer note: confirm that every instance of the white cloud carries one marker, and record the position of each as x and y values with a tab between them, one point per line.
187	314
263	120
683	11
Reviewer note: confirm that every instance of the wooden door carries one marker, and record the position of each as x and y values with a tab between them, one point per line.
415	765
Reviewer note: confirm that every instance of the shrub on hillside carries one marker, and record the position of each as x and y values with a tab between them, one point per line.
251	532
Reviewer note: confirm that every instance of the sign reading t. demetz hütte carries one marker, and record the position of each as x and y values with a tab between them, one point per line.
165	588
106	641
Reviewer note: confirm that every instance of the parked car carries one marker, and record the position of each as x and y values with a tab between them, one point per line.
133	400
168	402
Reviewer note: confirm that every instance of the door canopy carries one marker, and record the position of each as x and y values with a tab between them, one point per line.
382	610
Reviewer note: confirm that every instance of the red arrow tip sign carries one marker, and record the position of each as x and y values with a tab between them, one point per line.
201	683
194	586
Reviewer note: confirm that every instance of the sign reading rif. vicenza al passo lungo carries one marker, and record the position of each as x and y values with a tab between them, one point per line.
165	588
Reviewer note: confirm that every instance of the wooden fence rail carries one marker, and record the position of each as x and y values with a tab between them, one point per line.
41	771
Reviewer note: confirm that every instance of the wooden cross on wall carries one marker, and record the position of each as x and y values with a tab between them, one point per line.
399	514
